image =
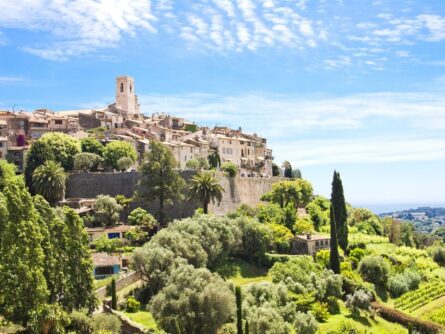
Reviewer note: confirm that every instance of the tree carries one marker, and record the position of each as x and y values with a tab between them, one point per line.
86	161
203	163
106	210
334	258
136	236
49	318
194	301
106	323
49	181
366	222
124	202
159	181
38	154
79	265
63	147
140	217
439	256
296	174
360	300
205	188
214	160
230	168
275	170
374	269
287	169
113	294
92	145
239	311
340	213
192	164
124	163
117	150
297	193
23	287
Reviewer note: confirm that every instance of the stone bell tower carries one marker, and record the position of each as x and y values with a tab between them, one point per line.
126	99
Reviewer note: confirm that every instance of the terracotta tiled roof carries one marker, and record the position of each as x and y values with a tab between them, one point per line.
104	260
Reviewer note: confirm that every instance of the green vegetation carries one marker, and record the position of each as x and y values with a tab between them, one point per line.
92	145
340	213
230	168
63	148
426	293
240	272
144	318
49	180
159	181
86	161
205	188
117	150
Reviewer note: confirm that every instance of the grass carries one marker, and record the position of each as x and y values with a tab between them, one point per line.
100	283
143	318
365	324
240	272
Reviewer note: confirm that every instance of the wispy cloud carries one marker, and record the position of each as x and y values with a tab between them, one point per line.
10	80
374	127
67	28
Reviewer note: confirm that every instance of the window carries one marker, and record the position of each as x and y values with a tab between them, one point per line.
1	144
58	122
114	235
316	243
131	88
191	149
104	271
122	87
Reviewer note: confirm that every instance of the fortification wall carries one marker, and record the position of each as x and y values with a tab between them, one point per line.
237	190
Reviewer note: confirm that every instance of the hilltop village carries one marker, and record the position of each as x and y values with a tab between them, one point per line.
123	121
113	222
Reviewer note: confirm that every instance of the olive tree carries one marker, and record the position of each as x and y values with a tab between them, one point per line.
194	301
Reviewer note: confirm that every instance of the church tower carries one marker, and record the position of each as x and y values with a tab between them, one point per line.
125	96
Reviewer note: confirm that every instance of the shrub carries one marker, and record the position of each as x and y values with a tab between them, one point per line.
91	145
106	322
230	168
106	210
305	323
116	150
192	164
80	323
320	311
270	213
403	282
132	305
86	161
142	218
374	269
49	317
322	258
281	237
439	256
333	305
355	255
124	163
103	244
360	300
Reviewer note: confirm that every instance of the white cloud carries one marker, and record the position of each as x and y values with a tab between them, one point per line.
77	27
10	80
372	127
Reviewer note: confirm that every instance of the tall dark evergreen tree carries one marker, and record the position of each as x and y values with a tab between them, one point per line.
113	295
340	213
246	328
334	258
239	311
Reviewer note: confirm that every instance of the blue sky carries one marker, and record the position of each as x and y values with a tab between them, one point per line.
357	86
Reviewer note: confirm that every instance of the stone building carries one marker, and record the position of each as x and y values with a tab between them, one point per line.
310	244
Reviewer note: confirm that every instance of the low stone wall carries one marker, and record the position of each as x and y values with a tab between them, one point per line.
128	326
120	284
237	190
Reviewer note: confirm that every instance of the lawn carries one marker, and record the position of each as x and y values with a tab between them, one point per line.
100	283
240	272
142	317
362	324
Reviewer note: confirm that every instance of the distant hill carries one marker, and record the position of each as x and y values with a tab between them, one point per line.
425	219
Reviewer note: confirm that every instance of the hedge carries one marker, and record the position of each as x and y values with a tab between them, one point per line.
393	315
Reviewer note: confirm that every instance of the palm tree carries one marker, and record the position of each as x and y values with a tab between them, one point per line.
204	187
49	181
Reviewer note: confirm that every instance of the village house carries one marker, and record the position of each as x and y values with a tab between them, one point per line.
310	244
107	265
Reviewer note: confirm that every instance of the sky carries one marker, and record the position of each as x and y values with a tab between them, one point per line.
354	86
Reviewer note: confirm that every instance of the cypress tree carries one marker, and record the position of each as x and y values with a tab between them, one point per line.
246	328
113	295
340	213
239	311
334	260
